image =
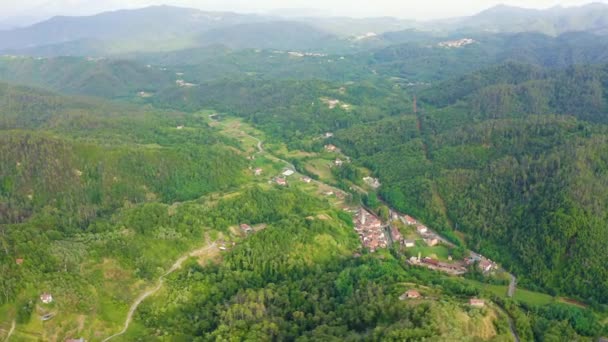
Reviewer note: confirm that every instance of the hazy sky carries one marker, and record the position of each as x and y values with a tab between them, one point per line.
418	9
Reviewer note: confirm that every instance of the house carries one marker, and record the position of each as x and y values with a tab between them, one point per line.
422	229
477	302
486	265
410	294
46	298
306	179
281	181
410	221
331	148
373	182
19	261
288	172
180	127
432	241
329	135
409	243
396	234
246	228
223	248
258	172
338	162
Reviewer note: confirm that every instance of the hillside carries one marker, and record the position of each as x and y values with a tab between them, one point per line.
86	76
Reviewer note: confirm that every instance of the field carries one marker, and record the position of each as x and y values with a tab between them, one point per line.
522	295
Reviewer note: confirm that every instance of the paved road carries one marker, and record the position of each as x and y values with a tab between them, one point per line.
178	263
11	331
511	324
512	285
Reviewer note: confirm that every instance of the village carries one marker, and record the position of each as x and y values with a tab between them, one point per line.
421	244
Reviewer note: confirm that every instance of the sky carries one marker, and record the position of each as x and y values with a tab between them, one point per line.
410	9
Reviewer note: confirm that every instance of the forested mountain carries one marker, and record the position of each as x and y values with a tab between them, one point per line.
553	21
422	58
157	23
519	90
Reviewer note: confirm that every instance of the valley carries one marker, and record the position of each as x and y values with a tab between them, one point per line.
173	174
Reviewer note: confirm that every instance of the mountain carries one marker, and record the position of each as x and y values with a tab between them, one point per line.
157	23
553	21
281	35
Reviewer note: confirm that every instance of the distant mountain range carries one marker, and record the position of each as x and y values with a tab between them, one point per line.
166	28
553	21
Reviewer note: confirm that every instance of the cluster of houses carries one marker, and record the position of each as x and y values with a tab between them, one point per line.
430	238
370	230
456	43
184	84
333	103
306	54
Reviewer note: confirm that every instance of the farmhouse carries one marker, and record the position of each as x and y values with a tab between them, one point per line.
46	298
331	148
396	235
19	261
258	171
281	181
409	243
306	179
246	228
432	241
486	265
422	229
288	172
410	221
477	302
410	294
373	182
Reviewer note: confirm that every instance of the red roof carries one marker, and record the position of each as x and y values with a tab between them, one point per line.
431	261
19	261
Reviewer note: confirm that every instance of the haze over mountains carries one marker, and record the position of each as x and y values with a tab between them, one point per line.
166	28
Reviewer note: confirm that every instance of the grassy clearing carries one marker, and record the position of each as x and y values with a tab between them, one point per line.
522	295
439	252
321	168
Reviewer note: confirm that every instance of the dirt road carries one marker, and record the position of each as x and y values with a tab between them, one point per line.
10	332
178	263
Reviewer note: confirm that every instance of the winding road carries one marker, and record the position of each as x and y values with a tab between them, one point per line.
511	324
178	263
